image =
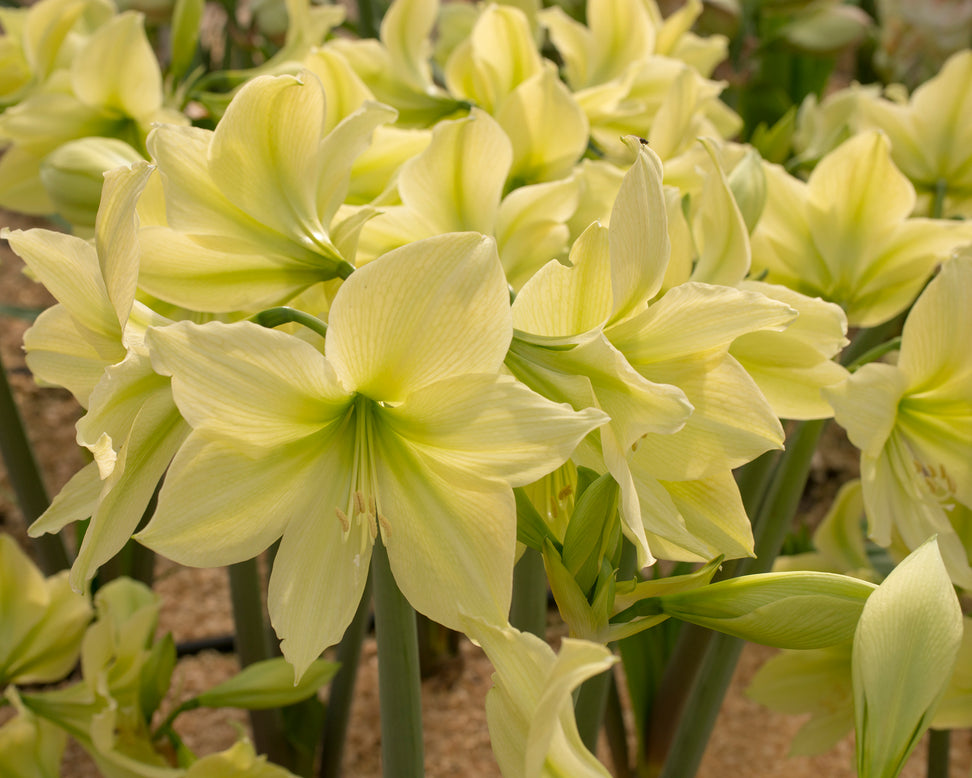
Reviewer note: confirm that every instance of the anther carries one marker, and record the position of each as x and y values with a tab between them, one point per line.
343	518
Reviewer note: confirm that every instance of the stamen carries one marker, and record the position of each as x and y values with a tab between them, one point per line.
343	518
385	526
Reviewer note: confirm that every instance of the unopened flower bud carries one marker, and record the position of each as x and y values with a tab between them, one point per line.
73	175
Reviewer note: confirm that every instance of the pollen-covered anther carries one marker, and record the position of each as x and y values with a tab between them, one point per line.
566	492
385	526
343	518
938	480
359	503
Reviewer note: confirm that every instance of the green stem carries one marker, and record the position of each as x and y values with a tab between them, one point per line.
869	339
342	690
274	317
25	477
528	611
875	353
590	707
939	744
938	203
367	25
616	732
252	645
399	686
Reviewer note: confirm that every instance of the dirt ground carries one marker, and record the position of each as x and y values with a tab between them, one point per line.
748	740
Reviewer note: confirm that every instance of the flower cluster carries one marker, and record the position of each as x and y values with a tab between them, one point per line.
372	307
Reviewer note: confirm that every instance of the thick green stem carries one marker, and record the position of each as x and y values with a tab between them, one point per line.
342	690
869	339
26	479
616	732
399	685
367	24
252	645
939	745
528	611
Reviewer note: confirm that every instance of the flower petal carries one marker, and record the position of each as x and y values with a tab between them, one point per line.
491	425
320	571
220	506
450	534
245	383
431	309
263	155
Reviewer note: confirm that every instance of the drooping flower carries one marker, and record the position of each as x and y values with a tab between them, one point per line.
403	427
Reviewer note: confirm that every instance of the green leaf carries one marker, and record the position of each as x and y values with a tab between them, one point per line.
268	684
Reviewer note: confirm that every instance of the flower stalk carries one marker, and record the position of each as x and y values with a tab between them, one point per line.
341	693
399	682
528	612
25	477
252	645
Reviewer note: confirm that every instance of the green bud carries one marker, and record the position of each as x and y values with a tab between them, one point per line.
589	532
785	610
268	684
571	600
747	181
73	175
904	650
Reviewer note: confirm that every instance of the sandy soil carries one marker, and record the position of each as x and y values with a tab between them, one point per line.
748	740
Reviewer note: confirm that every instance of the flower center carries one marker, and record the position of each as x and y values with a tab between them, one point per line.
937	480
363	502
